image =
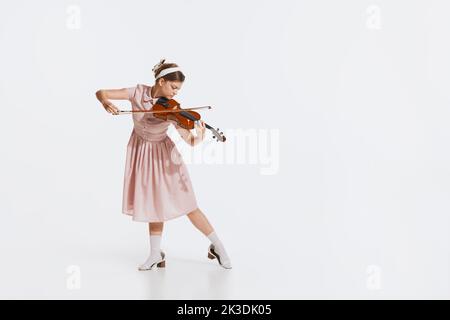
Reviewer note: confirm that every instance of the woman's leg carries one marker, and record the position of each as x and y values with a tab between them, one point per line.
155	228
216	250
200	221
156	256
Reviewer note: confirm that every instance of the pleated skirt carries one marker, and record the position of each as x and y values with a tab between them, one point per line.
157	186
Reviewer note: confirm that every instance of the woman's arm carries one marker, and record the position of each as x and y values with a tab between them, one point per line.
113	94
189	138
104	95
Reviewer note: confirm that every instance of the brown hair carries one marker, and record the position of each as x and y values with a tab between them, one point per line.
174	76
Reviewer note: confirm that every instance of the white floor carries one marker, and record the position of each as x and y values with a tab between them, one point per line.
102	264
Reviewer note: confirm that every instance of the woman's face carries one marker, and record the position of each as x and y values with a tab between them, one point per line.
170	88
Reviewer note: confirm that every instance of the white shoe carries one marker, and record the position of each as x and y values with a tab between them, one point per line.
222	258
160	262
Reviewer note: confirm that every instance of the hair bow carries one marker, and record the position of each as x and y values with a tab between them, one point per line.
159	64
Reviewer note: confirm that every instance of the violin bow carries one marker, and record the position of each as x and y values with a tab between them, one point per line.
160	111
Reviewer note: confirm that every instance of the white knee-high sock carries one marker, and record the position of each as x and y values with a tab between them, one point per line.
155	244
214	238
219	247
155	252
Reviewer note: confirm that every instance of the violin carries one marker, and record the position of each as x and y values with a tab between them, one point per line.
169	109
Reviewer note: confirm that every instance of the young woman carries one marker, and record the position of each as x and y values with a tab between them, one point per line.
157	186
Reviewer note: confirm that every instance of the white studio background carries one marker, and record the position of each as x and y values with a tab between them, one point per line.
334	182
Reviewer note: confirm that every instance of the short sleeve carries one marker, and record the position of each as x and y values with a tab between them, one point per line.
131	92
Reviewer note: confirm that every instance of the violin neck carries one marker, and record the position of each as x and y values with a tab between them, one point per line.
191	117
207	126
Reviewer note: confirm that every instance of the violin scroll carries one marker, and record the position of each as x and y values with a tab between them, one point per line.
216	134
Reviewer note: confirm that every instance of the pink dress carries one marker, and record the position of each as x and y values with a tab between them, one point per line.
157	186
